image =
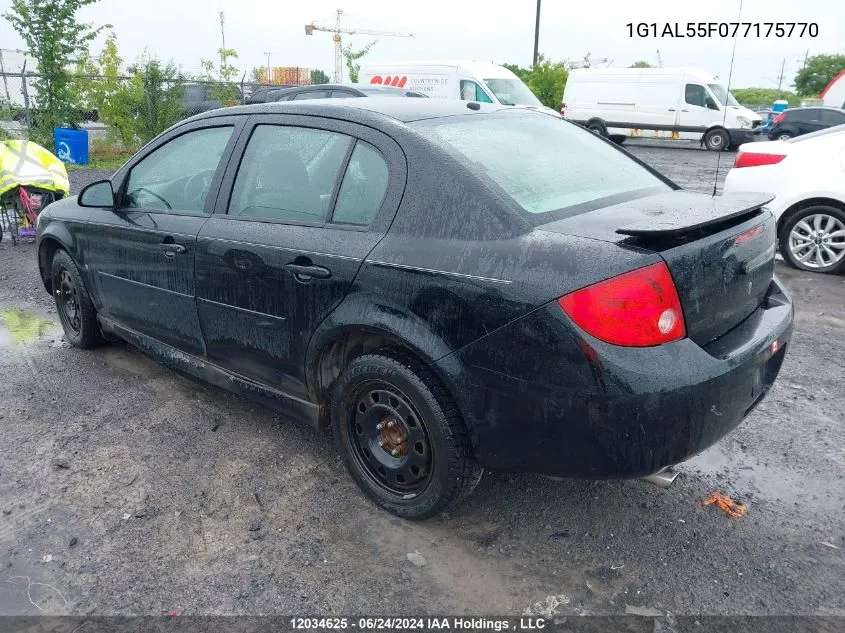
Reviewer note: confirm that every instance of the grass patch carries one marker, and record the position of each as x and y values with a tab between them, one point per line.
104	155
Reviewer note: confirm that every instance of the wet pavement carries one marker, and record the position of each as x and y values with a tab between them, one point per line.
127	488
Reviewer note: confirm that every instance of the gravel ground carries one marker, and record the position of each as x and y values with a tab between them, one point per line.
130	489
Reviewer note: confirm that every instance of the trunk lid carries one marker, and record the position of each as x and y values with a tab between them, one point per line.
720	250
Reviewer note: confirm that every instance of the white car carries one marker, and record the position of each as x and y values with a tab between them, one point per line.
806	174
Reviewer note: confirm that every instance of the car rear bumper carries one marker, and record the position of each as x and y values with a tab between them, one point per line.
593	410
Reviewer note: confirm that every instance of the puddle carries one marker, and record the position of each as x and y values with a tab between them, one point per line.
19	327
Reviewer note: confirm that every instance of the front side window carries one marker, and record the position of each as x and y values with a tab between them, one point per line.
363	188
471	91
288	174
695	95
176	177
543	164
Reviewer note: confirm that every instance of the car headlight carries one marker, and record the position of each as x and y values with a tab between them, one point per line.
744	122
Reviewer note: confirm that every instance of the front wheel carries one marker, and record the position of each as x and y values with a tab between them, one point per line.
400	435
76	311
717	140
813	239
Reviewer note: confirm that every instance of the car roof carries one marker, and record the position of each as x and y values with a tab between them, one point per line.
832	108
362	110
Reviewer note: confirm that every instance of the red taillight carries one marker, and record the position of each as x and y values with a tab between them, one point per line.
637	309
779	118
753	159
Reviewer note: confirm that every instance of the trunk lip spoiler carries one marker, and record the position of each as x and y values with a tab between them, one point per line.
668	221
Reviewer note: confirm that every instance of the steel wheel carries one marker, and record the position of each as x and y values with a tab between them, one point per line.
818	241
389	440
68	300
784	137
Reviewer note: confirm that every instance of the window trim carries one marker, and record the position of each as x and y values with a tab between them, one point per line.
237	124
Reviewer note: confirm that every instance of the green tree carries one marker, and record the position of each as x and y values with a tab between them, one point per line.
154	97
319	77
518	70
53	37
352	57
764	96
814	77
641	64
547	81
223	75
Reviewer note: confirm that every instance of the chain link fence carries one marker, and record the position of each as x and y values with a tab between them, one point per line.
120	113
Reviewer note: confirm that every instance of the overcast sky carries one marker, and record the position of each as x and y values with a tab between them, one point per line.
186	30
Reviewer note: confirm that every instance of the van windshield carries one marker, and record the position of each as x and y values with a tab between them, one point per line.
542	163
721	93
512	92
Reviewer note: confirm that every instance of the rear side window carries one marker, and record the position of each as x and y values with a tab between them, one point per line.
288	174
802	116
831	117
363	188
543	163
311	94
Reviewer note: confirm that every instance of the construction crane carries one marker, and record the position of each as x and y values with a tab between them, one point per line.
338	48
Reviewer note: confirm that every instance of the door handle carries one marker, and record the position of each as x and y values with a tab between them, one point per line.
306	272
171	250
684	110
671	109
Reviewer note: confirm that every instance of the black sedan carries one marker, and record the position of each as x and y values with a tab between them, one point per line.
799	121
449	286
340	91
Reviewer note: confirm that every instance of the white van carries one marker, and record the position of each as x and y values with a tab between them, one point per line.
676	103
470	81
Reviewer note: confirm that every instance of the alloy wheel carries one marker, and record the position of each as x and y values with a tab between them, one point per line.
818	241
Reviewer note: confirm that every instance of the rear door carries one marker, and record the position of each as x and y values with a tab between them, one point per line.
142	253
300	209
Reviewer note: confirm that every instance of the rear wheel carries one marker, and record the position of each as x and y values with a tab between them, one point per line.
76	311
784	136
814	239
401	436
597	126
717	140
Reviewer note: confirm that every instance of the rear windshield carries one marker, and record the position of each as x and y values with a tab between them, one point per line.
543	163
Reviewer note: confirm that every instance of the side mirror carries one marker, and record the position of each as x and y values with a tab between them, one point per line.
711	104
98	194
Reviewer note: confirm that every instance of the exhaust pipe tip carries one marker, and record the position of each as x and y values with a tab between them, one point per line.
662	479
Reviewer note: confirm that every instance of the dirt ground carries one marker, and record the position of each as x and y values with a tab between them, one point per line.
126	488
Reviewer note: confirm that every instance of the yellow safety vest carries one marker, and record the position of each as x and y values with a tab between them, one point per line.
27	164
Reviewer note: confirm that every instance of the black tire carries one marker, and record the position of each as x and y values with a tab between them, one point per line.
422	466
783	136
73	303
619	139
717	140
784	238
597	126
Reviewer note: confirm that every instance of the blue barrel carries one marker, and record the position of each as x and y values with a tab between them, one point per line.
780	105
71	145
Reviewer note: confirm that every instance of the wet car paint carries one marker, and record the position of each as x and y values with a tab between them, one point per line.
469	292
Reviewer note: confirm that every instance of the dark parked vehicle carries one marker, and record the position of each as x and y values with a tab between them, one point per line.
342	91
447	285
201	97
266	94
797	121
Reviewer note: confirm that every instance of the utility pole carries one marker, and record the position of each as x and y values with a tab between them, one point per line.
780	76
223	39
537	35
3	72
806	55
268	67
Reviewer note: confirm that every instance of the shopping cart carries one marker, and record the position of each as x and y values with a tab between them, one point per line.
30	178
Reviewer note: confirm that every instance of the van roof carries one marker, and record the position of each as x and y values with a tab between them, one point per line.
485	70
699	73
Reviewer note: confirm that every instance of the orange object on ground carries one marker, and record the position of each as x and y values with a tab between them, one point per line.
727	505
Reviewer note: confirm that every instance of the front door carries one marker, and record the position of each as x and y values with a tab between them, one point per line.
697	109
142	254
309	200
